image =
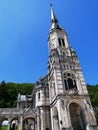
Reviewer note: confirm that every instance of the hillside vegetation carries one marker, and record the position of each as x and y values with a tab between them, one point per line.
9	92
93	92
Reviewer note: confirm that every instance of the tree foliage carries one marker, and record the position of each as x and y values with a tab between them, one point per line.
9	93
93	92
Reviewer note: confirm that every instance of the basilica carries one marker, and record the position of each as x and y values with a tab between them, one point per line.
59	100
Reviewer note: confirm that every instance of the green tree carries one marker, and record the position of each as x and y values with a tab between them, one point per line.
3	94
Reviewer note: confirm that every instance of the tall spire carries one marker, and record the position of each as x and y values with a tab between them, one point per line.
54	21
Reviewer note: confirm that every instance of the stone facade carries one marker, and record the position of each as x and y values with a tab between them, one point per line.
60	99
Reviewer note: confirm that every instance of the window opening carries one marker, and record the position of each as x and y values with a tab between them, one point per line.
38	95
68	74
69	81
47	128
59	41
65	81
63	42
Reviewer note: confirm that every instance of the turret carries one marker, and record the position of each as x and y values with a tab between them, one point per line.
42	92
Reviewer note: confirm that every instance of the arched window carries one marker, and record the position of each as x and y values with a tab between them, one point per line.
69	81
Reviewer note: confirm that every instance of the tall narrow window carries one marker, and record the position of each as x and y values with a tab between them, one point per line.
59	40
38	95
70	83
65	81
63	42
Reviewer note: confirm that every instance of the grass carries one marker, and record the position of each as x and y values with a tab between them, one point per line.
4	127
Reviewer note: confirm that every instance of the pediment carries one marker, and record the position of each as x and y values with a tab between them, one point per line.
29	111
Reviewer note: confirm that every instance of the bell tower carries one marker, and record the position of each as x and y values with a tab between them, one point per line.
70	105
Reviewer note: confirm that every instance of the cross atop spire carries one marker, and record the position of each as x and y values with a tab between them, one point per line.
54	21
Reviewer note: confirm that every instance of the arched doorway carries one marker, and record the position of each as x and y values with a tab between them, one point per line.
14	124
29	123
4	124
77	117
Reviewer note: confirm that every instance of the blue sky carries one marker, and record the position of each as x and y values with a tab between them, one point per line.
24	29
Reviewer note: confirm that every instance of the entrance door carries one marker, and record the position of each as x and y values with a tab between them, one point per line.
77	118
29	124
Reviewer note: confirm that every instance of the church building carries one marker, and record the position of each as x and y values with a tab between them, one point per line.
59	100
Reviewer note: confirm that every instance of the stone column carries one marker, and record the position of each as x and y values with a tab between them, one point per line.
9	125
56	123
52	119
42	119
69	119
21	123
60	119
37	121
66	121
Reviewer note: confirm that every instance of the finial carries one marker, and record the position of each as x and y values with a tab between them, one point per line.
52	12
50	4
